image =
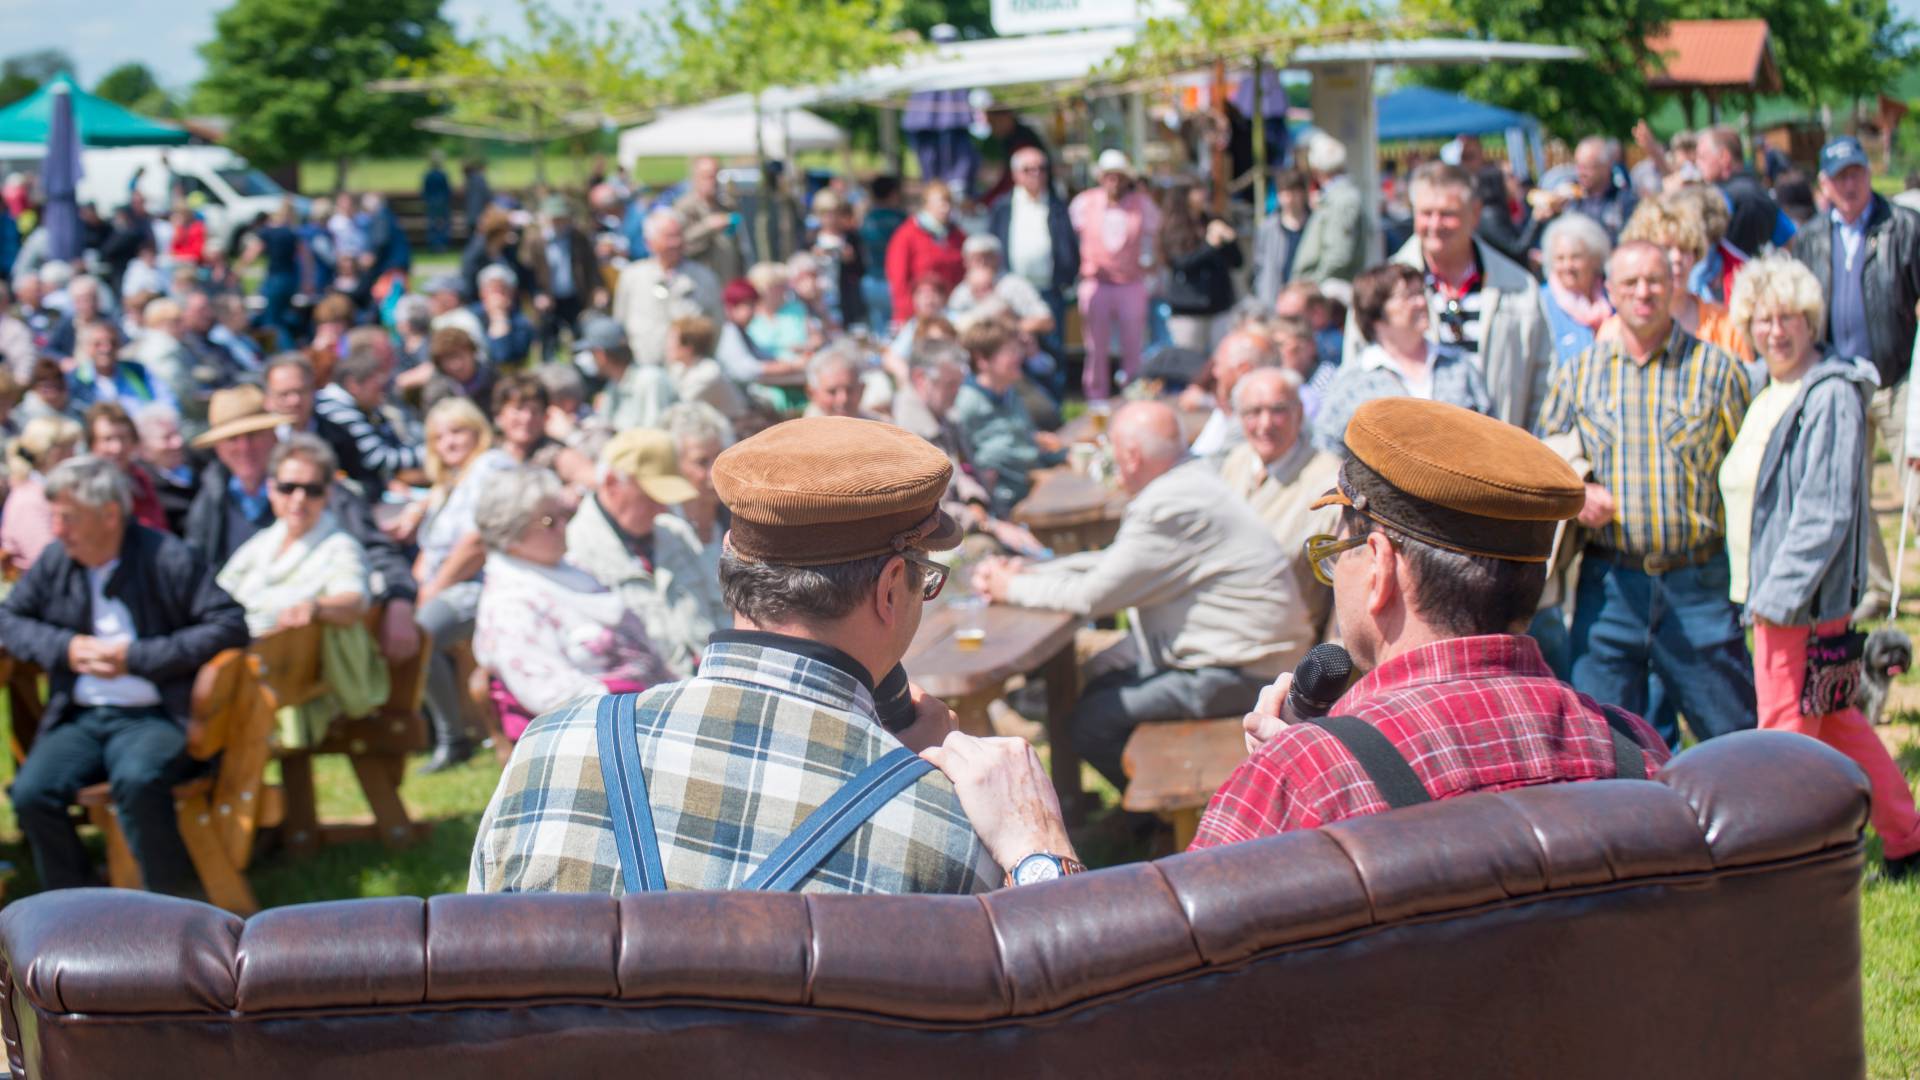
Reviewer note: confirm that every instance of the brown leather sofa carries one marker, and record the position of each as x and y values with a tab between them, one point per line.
1702	925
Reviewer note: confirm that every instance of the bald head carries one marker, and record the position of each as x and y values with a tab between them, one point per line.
1238	353
1146	442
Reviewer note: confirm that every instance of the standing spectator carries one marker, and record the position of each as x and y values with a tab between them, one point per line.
1599	197
436	191
121	618
710	222
1712	276
1507	225
1037	238
1649	414
1665	224
1116	223
877	226
1575	249
1756	222
836	244
110	435
1399	360
1865	253
286	254
26	519
509	335
189	243
1478	300
1277	245
1201	252
478	194
1797	484
929	244
662	287
560	260
495	242
1334	243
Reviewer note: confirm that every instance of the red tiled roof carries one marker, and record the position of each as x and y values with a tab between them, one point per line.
1713	53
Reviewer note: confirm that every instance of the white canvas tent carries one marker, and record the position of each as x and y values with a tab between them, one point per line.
726	130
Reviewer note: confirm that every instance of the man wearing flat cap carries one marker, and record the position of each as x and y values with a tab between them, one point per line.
1447	522
707	783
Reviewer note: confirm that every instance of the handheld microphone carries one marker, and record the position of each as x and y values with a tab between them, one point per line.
1317	683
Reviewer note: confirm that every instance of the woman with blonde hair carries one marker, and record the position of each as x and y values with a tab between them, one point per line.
1799	525
1674	225
26	522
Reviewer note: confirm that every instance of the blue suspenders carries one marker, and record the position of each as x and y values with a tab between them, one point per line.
823	831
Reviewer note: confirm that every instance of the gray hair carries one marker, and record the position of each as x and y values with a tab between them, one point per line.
362	362
563	382
843	354
508	503
657	221
413	312
495	274
981	244
1580	229
153	414
1288	377
84	283
1326	154
309	448
801	262
930	356
55	274
770	593
690	420
91	481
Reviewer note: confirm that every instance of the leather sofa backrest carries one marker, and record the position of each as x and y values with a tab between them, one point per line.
1701	924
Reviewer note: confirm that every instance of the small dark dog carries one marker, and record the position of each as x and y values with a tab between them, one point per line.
1887	656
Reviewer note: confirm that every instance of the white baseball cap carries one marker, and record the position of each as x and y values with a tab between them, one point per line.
1113	161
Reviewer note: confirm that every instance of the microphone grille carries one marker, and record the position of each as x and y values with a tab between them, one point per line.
1323	676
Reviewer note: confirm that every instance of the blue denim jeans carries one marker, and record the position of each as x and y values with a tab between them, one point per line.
1680	626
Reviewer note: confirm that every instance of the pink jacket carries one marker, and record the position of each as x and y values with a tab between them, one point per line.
1110	244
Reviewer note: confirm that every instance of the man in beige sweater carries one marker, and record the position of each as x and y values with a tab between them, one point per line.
1280	474
1218	615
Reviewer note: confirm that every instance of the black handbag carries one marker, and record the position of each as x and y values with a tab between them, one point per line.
1835	666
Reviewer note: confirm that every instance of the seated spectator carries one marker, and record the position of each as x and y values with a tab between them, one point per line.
520	417
159	350
121	619
697	376
199	317
458	371
1304	300
546	629
413	325
1216	605
922	407
1390	312
988	291
163	457
509	336
990	413
807	301
10	395
699	434
627	537
1238	353
48	393
569	421
1575	249
1299	350
83	297
636	394
290	383
1279	473
233	331
833	381
110	435
743	360
17	350
782	712
1674	227
352	408
303	568
929	304
779	328
101	374
448	310
26	521
332	320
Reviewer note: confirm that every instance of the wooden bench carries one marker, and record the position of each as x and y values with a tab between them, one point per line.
1174	766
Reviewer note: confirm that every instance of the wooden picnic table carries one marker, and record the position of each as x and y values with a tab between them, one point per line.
1018	640
1069	512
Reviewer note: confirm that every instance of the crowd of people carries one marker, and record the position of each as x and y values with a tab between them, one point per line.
648	443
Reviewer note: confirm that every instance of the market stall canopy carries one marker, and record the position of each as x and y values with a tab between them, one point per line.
100	122
1420	112
727	131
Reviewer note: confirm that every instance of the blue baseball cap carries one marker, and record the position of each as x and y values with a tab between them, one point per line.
1842	153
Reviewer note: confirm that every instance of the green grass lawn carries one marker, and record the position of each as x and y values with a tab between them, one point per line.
511	172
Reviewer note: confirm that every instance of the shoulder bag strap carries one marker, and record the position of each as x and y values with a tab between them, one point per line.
626	786
1629	760
829	826
1383	764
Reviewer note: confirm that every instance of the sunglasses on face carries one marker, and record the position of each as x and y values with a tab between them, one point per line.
311	491
933	576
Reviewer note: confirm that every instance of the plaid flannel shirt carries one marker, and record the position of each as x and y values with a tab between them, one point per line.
1654	435
1469	714
734	759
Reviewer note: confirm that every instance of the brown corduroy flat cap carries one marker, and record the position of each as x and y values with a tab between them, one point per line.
831	489
1455	479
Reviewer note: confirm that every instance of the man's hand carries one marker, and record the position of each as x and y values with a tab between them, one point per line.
108	660
932	721
1264	721
296	616
1048	441
399	634
1194	399
991	577
1599	509
1005	794
1016	538
80	649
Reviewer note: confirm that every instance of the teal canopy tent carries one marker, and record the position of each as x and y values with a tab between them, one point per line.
100	122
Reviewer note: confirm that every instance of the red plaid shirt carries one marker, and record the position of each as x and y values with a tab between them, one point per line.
1469	714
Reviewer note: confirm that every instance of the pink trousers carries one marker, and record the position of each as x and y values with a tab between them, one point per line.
1779	667
1104	308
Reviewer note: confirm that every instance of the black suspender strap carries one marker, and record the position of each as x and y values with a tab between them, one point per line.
1629	760
1383	764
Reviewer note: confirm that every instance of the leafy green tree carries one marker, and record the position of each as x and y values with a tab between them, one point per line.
132	84
292	78
973	18
23	73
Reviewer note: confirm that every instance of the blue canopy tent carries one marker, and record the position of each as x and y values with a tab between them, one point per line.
1421	112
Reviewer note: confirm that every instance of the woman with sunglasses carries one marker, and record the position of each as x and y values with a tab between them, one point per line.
304	568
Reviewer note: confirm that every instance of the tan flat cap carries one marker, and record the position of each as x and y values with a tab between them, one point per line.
1455	479
832	489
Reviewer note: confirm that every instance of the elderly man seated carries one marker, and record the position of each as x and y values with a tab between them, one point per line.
1238	353
1218	610
833	381
627	537
693	785
121	618
1279	473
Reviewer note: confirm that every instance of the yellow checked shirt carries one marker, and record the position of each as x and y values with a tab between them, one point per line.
1654	434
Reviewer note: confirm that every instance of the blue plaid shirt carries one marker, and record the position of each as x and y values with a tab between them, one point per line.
734	759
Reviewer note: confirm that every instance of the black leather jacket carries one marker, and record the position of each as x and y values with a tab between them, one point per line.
1890	279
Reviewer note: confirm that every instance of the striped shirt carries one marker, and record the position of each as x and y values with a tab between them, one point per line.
1654	435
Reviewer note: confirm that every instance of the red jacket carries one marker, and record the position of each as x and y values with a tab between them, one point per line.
190	243
913	253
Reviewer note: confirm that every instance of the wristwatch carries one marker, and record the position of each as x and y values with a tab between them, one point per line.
1043	866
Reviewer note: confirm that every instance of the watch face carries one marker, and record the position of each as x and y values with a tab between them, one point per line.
1036	868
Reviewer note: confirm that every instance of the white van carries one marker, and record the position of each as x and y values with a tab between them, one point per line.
231	191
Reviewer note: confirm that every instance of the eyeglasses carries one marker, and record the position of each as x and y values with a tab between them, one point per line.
933	576
1321	550
311	491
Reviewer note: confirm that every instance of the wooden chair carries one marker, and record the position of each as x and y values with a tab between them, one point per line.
218	814
1174	767
26	702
